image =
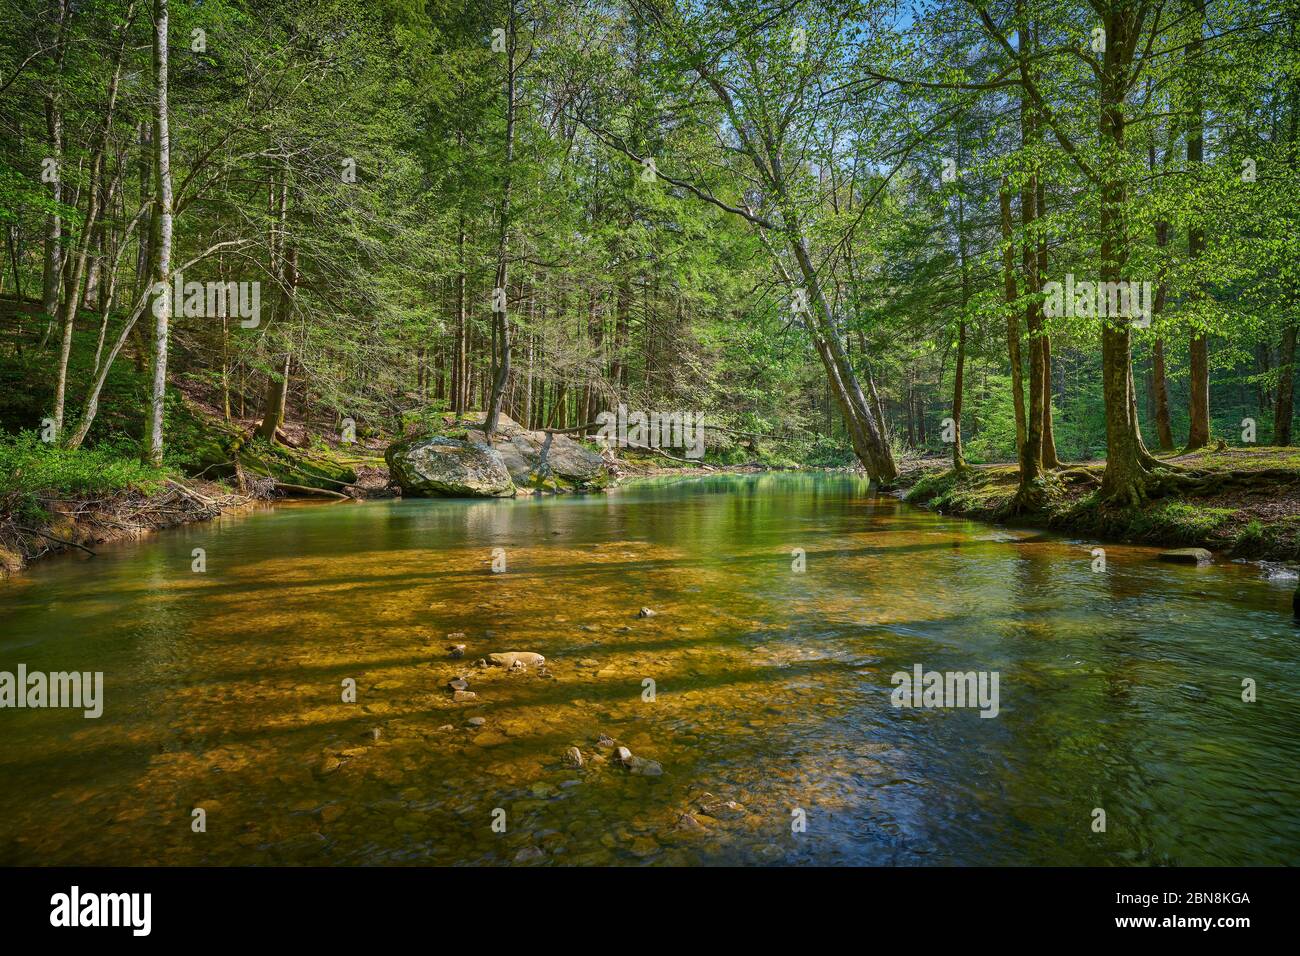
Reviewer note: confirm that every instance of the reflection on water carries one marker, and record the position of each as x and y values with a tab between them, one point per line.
1119	690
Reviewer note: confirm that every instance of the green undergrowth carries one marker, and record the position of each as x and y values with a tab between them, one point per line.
31	469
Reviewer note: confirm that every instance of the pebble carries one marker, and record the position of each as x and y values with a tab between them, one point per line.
459	683
457	650
646	612
464	695
476	721
573	757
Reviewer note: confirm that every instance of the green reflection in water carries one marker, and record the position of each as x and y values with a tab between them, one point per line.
1118	690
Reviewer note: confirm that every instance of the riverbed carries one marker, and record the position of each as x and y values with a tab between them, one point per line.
763	691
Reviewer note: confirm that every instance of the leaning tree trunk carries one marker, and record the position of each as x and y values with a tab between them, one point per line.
72	301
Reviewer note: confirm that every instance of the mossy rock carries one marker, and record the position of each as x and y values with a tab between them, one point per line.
293	466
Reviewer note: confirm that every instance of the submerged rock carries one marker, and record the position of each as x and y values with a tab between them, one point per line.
464	695
456	650
440	467
642	767
509	658
1196	556
646	612
573	757
459	683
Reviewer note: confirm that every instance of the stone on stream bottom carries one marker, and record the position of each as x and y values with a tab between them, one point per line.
645	612
476	721
605	742
528	854
456	650
464	695
459	683
508	658
720	809
641	767
1197	556
573	757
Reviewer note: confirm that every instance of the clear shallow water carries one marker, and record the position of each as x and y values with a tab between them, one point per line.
1119	690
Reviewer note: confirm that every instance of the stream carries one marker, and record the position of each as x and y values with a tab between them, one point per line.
770	710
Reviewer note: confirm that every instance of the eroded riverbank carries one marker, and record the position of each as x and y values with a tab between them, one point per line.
771	689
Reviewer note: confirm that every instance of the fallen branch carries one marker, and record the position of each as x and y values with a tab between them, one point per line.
46	534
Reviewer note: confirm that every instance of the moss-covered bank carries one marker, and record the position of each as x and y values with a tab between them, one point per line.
1249	506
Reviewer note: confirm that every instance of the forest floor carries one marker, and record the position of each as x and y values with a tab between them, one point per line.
1249	508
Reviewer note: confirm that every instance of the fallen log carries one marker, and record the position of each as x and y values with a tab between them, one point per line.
306	490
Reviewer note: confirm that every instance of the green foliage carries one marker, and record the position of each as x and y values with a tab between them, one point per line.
31	469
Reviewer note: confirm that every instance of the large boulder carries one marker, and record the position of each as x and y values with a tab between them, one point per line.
571	466
440	467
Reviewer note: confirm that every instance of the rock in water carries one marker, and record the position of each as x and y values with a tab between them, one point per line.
456	650
509	659
646	612
1196	556
464	695
459	683
440	467
642	767
573	757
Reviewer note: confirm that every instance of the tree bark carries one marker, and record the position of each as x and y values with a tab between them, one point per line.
162	304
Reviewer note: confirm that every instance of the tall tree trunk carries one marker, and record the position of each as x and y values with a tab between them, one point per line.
162	242
1282	409
1031	452
1126	468
460	383
1198	435
501	315
1010	294
1048	446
